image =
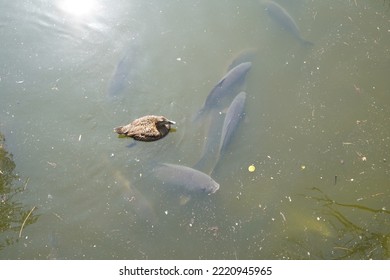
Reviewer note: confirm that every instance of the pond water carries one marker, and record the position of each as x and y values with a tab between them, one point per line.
316	129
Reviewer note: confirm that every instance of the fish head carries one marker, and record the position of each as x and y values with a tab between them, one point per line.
211	188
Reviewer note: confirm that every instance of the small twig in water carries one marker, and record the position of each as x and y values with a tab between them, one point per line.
28	215
25	184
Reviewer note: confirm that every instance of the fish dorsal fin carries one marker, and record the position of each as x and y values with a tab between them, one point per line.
220	82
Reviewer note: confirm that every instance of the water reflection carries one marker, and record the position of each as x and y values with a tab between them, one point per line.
78	9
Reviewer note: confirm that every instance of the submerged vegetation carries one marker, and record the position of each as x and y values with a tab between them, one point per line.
13	216
357	239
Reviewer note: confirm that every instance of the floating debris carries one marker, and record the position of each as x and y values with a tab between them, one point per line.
251	168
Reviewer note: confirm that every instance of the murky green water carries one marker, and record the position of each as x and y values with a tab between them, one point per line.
316	129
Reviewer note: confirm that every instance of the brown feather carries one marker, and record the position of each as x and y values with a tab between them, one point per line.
147	128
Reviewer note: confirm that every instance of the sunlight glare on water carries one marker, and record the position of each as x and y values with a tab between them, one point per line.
80	8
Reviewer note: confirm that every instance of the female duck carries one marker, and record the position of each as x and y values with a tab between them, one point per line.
147	128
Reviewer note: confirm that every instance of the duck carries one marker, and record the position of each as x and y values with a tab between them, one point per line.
147	128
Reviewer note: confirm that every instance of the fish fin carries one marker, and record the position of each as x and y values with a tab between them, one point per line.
198	115
200	164
220	83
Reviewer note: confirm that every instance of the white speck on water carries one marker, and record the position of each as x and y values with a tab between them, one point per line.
166	212
284	218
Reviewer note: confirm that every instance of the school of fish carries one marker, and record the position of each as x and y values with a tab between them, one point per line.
228	93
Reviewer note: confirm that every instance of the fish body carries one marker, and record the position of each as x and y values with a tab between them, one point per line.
224	86
147	128
213	151
182	176
121	75
233	116
137	202
245	55
283	18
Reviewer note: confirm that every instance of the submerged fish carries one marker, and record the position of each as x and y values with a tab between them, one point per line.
224	87
187	177
127	68
121	76
283	18
245	55
137	202
233	116
214	150
147	128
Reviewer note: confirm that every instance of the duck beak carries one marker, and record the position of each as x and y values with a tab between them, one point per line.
169	122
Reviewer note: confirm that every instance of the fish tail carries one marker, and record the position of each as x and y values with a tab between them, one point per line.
307	43
200	164
198	115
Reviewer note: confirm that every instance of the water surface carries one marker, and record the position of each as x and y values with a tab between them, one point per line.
316	129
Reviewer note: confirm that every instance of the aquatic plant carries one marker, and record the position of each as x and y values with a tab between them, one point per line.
13	215
365	239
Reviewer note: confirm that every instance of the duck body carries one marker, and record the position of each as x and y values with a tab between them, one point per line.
148	128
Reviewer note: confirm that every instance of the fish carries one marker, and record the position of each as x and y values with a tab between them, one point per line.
137	202
225	86
233	116
284	19
119	78
245	55
210	148
183	176
122	75
147	128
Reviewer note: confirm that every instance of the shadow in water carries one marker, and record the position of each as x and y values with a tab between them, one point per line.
13	216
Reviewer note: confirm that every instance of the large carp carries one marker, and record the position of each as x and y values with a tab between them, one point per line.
284	19
183	176
226	85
